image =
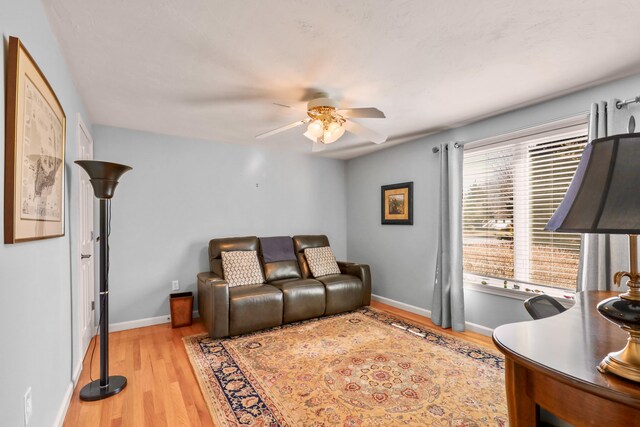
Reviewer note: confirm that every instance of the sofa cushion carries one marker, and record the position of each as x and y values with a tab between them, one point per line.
344	293
281	270
241	268
278	258
303	299
254	307
321	261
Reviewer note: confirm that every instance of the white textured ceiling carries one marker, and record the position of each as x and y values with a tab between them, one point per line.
212	69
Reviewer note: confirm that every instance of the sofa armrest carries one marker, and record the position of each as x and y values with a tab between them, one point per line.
362	272
213	304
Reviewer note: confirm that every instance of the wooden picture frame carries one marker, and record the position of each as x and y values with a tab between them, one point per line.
397	203
35	135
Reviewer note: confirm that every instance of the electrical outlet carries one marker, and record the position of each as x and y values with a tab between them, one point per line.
175	285
28	407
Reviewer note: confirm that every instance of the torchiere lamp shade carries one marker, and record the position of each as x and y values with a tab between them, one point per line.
603	196
103	176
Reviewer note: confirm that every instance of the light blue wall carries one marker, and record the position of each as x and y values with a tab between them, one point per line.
402	258
184	192
38	286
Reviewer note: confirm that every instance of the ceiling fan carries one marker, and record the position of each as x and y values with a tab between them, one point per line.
326	123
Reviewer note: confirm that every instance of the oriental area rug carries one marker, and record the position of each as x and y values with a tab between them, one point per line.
364	368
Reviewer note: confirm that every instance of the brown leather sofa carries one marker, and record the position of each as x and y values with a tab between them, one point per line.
290	293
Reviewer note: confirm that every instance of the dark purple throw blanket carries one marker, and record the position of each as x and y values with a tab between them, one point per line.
278	248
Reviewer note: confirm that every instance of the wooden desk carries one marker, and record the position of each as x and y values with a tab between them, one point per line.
552	362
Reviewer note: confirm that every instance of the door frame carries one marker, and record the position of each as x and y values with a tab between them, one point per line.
83	346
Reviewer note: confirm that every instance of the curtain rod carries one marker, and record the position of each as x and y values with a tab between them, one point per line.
455	145
621	104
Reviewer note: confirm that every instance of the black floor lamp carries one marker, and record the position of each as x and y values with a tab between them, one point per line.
104	179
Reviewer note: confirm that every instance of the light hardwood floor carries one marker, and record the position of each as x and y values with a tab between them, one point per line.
162	389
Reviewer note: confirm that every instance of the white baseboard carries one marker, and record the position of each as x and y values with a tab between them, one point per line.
76	372
141	323
62	412
406	307
469	326
478	329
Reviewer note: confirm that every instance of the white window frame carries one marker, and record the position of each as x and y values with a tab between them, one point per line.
575	125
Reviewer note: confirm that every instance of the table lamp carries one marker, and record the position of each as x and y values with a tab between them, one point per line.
604	197
103	177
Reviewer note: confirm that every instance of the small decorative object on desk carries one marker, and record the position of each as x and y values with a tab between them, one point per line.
181	309
603	199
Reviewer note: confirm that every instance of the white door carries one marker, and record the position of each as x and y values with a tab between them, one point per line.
86	294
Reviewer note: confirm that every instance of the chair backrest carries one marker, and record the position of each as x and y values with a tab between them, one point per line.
300	243
542	306
272	270
280	269
217	246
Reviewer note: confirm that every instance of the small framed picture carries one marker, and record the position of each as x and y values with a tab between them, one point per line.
397	203
34	152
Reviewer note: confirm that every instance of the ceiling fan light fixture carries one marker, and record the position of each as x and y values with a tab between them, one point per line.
333	132
327	137
316	128
339	132
333	127
326	123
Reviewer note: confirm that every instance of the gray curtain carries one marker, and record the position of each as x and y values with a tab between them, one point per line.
448	297
601	255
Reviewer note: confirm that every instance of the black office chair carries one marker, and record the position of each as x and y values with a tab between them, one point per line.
542	306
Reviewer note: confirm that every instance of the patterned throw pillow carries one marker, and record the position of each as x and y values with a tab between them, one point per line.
241	268
321	261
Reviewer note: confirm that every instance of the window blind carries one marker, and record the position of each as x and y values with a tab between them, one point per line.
511	189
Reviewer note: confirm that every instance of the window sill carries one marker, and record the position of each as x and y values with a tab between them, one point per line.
521	295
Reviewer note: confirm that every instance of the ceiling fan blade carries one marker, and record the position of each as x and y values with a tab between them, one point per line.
283	128
364	132
311	137
290	107
317	145
363	113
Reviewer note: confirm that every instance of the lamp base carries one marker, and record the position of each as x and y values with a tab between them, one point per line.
93	390
626	362
626	314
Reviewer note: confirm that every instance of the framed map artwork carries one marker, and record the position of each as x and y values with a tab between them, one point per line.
35	131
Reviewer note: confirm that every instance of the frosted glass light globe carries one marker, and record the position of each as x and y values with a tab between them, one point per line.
316	128
333	127
327	137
